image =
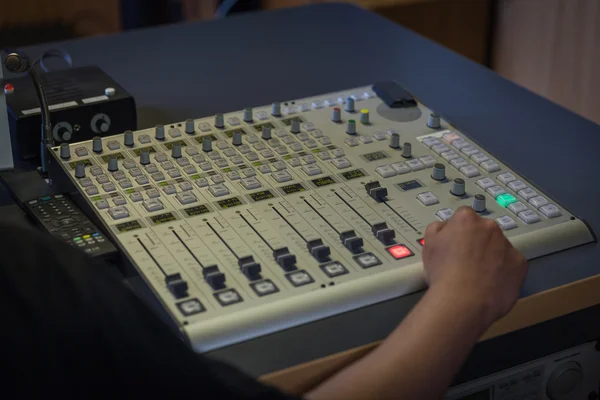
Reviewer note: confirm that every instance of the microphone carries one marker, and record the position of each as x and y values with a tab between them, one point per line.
19	63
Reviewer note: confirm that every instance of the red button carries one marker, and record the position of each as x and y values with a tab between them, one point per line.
8	88
400	251
421	242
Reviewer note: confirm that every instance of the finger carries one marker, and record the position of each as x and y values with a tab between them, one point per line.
433	228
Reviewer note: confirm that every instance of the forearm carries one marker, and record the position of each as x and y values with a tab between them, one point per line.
419	359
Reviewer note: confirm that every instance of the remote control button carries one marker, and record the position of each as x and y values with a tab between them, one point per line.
506	223
399	251
506	199
550	211
529	217
152	205
119	212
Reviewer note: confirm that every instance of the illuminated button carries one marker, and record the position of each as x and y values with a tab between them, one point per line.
400	167
550	211
218	190
490	166
445	214
415	165
538	201
265	287
469	171
505	199
428	198
386	171
485	183
496	191
299	278
516	207
479	158
201	182
333	269
506	223
528	216
169	189
185	186
506	178
136	196
399	251
218	178
341	163
367	260
421	242
119	212
449	155
281	176
228	297
311	169
186	198
250	183
527	193
428	161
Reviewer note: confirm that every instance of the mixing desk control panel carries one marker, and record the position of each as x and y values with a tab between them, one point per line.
254	221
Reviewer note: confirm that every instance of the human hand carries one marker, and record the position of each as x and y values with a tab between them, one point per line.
468	258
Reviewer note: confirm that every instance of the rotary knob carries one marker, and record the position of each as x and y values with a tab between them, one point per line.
336	115
439	172
248	114
113	164
351	127
128	138
189	127
350	104
433	121
276	109
97	144
159	132
63	133
266	133
407	150
207	145
80	170
364	116
236	140
65	151
479	203
145	158
219	121
395	141
295	127
458	187
100	123
565	382
176	150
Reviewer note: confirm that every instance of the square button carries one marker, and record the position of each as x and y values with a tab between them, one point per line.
460	143
506	178
440	148
506	199
538	201
550	211
479	158
401	168
529	217
228	297
415	165
367	260
527	193
517	185
341	162
490	166
427	198
469	150
469	171
449	155
190	307
445	214
400	251
506	223
495	191
459	162
428	161
386	171
264	287
299	278
517	207
281	176
218	190
333	269
485	183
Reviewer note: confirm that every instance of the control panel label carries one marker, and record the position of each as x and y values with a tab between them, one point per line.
118	156
200	139
260	127
162	218
376	155
294	188
169	145
141	150
196	210
229	203
408	185
230	133
324	181
128	226
87	163
355	173
262	195
288	121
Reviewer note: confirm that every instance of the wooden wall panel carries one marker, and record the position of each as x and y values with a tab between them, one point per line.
552	47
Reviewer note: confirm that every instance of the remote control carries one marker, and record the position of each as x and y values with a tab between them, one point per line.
65	221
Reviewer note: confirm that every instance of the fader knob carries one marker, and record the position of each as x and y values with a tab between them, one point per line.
351	127
479	203
295	127
145	158
276	109
266	133
237	138
159	132
407	150
113	164
336	115
97	144
439	172
350	104
80	170
65	151
207	145
219	121
176	150
458	187
395	141
248	114
128	138
189	127
433	121
364	116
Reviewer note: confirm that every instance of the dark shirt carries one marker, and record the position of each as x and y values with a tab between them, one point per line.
71	329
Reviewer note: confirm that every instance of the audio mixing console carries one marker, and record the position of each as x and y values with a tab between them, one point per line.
251	222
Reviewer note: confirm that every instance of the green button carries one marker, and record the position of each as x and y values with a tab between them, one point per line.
76	239
505	199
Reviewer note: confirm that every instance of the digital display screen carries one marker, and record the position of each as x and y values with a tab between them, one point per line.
288	121
482	395
355	173
228	203
162	218
230	133
408	185
128	226
141	150
377	155
118	156
200	139
169	145
261	126
87	163
294	188
197	210
263	195
324	181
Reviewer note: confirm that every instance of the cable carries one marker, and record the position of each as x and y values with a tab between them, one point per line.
225	8
54	53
